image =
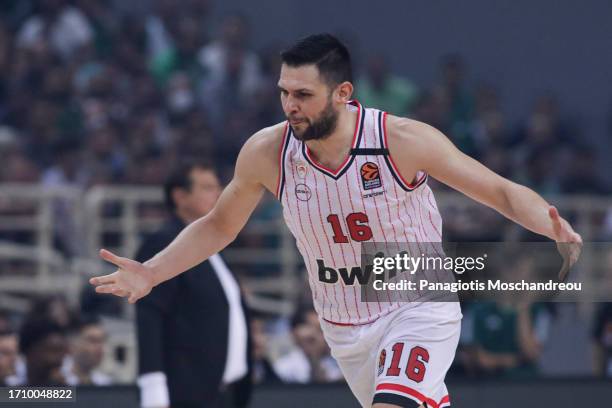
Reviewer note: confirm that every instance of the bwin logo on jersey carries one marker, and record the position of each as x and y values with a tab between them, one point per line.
302	192
331	275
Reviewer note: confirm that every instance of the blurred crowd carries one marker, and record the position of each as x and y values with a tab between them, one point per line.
51	345
93	96
90	95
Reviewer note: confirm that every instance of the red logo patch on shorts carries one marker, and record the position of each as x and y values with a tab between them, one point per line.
381	361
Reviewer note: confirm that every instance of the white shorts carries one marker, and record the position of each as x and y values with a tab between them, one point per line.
401	358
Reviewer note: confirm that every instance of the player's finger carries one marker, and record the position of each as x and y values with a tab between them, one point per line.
103	280
133	298
119	292
105	288
575	253
553	213
112	258
564	250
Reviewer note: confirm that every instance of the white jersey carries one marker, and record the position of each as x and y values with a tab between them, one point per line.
332	212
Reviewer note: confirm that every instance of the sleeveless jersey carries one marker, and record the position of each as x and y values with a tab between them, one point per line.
331	212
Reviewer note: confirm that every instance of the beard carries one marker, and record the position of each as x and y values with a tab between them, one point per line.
321	127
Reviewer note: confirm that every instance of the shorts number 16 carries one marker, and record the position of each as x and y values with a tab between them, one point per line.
415	369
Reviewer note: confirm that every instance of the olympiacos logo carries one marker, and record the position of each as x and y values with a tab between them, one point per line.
301	169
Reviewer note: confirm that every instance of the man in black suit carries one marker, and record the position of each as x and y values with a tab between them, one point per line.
193	335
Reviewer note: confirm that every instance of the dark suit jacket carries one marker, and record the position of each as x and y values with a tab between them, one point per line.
183	329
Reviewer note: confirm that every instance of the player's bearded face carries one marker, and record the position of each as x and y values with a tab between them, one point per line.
318	128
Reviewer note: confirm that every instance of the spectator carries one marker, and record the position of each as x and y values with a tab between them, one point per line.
233	70
380	88
64	26
582	174
43	344
262	367
311	361
86	354
54	308
453	83
602	338
8	355
509	332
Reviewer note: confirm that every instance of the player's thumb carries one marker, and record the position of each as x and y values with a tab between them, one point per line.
110	257
553	213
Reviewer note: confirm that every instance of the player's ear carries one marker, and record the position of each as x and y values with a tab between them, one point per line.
178	196
344	92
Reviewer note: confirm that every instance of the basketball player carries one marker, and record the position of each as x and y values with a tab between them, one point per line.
346	174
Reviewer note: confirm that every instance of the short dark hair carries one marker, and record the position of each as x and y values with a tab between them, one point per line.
300	316
83	321
330	56
7	332
35	331
179	177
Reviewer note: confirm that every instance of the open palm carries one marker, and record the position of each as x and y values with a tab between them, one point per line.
569	243
132	279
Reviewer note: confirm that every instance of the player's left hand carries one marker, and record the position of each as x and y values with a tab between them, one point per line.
569	243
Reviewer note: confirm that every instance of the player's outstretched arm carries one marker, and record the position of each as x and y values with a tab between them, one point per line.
205	236
417	146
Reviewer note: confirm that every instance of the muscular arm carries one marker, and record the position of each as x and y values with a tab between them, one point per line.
256	170
416	146
213	232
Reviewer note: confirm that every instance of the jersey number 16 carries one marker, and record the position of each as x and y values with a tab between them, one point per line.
357	223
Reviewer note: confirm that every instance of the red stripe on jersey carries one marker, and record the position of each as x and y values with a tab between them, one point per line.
350	324
408	185
318	246
301	224
429	241
354	254
281	166
331	253
374	238
365	145
357	261
341	251
386	196
433	206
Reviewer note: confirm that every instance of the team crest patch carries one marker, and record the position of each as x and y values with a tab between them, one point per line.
302	192
370	176
301	169
381	361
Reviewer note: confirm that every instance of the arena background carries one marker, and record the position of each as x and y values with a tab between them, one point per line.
90	123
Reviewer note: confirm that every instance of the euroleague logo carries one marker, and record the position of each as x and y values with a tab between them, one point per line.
370	176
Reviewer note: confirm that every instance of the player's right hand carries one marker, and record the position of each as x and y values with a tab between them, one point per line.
569	243
132	279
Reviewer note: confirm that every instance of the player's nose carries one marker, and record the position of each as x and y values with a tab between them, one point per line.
290	106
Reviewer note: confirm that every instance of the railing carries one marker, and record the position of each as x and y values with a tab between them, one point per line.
116	217
49	240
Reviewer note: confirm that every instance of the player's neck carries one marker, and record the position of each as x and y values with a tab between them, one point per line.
332	150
